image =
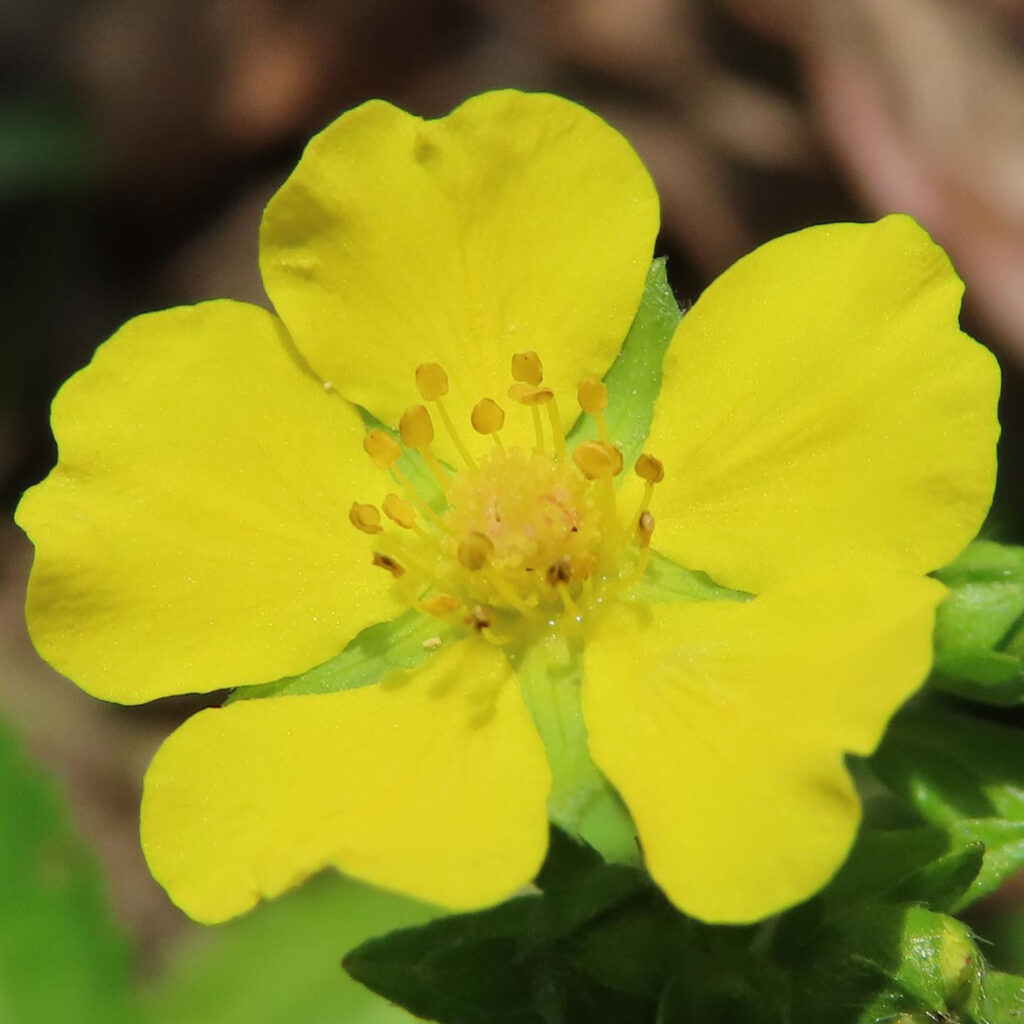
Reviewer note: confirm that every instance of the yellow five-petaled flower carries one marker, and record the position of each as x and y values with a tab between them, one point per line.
220	516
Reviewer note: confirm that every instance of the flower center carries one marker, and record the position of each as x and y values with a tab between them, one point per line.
516	537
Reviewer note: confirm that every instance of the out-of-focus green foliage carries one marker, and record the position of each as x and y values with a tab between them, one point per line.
61	956
282	963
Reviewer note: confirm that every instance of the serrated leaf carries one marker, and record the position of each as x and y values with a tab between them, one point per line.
281	962
374	653
951	766
61	956
464	969
634	379
926	864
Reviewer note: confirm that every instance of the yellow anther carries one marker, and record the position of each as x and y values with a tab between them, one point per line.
650	469
442	605
479	617
536	396
592	395
475	551
644	529
431	381
382	448
526	367
365	517
487	416
400	511
383	561
416	427
596	459
559	571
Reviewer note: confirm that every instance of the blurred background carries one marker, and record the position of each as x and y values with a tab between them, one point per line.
139	140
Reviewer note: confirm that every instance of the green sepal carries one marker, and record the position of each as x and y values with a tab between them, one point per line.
582	802
978	628
62	958
1002	998
879	962
666	581
634	379
376	651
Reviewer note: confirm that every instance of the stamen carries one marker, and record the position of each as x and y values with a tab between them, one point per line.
600	461
568	603
417	431
597	459
383	561
644	529
365	518
593	398
475	551
441	606
558	572
382	448
534	397
488	417
545	397
527	367
402	513
432	383
652	472
507	592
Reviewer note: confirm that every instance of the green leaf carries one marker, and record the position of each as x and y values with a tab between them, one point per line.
578	887
582	802
951	766
61	956
941	867
879	961
634	379
464	969
537	958
374	653
978	626
281	962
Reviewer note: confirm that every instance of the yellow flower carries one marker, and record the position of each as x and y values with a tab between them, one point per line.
219	517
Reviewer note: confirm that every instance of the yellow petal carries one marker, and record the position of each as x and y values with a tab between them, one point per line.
821	404
433	784
517	222
723	726
194	533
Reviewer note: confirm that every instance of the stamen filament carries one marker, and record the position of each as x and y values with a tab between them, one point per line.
442	478
538	430
416	498
507	591
557	433
454	434
570	604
